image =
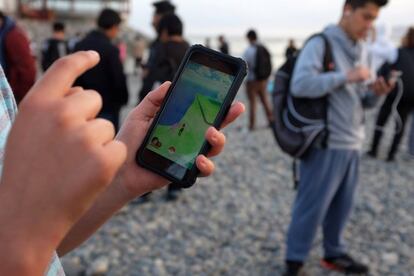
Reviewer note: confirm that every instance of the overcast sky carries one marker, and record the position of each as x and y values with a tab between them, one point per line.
270	17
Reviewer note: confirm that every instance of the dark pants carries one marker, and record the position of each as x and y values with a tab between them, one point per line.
404	111
328	179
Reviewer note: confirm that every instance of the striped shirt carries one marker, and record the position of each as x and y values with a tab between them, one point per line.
8	111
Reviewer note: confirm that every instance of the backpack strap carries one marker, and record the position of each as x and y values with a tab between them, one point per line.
328	65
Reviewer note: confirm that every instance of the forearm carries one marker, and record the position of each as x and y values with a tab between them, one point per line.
26	246
111	201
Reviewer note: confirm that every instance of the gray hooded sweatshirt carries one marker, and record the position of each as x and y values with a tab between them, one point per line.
346	101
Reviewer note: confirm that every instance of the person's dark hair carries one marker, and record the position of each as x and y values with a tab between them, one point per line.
2	16
108	18
172	24
409	38
252	35
355	4
58	27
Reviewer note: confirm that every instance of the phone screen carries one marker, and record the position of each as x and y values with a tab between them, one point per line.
191	109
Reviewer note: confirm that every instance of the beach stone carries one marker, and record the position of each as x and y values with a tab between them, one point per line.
99	267
390	258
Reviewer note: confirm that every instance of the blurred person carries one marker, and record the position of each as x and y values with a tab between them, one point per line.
330	169
207	43
73	186
223	45
108	77
73	41
405	106
149	76
138	51
123	50
16	57
380	48
256	86
291	50
174	48
54	47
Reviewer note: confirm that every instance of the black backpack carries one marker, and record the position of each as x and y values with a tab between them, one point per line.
299	122
263	66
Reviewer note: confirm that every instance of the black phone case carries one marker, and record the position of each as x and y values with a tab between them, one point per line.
192	175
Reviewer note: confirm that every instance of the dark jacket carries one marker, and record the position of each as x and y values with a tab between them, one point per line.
52	50
405	64
169	59
108	77
19	64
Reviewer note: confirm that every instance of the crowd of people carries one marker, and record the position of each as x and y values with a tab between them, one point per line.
78	99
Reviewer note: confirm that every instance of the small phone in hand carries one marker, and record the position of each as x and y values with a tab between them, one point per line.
200	96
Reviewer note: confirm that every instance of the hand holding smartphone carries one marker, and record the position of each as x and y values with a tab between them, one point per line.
199	97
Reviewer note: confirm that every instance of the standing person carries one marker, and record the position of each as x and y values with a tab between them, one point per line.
139	48
54	47
174	49
405	106
207	43
329	173
223	45
259	65
108	77
16	57
161	8
291	50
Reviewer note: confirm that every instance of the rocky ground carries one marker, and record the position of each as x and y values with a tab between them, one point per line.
234	222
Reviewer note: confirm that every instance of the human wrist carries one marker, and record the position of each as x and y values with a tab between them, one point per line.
27	240
22	252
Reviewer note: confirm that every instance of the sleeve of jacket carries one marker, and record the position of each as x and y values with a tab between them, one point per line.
119	83
21	64
309	80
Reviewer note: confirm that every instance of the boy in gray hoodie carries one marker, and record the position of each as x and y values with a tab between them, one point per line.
329	175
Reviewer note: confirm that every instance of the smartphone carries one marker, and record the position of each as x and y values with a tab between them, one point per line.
200	96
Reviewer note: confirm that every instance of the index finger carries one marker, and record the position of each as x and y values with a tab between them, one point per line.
60	77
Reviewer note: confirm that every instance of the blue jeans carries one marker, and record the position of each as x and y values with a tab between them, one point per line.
328	178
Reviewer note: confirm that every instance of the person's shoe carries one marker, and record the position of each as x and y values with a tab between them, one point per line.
294	269
172	195
371	154
390	159
344	264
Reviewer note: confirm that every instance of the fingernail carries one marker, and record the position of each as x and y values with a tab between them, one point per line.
93	54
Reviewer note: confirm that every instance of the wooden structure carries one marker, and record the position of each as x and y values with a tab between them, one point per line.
48	9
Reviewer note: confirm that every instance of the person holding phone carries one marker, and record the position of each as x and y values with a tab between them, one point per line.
402	69
74	175
329	171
